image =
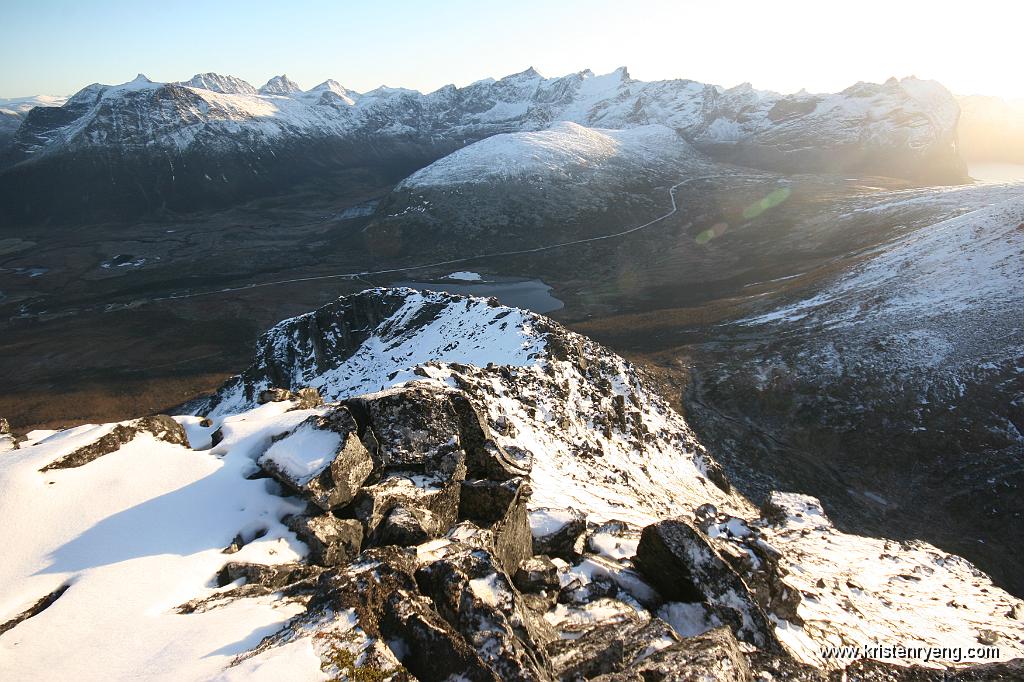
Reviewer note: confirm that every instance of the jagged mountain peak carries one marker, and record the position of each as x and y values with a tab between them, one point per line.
280	85
226	85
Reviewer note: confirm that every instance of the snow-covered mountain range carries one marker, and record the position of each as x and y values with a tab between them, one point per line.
215	138
484	495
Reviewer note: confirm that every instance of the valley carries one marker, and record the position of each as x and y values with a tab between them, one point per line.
794	311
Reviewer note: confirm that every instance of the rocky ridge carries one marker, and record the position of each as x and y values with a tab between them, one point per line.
381	501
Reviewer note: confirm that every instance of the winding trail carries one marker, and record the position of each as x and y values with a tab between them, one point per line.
453	261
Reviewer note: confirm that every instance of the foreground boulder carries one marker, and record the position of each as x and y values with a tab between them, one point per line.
683	565
747	552
609	648
331	541
322	459
305	398
714	656
500	506
556	531
412	428
429	507
472	592
158	426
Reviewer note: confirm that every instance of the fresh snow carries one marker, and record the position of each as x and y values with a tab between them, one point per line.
304	453
140	531
562	149
134	534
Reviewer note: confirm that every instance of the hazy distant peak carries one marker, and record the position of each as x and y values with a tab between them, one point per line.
227	85
280	85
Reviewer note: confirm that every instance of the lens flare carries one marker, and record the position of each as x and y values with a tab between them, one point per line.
770	201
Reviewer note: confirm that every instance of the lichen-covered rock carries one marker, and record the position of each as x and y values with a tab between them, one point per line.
412	428
322	459
472	592
305	398
683	565
273	394
609	648
750	555
331	541
373	607
401	526
484	457
536	574
159	426
271	576
556	531
500	507
714	656
5	426
432	500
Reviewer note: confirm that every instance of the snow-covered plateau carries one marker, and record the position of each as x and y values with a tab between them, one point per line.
414	485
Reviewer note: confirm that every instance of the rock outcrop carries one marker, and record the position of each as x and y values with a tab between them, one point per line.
160	426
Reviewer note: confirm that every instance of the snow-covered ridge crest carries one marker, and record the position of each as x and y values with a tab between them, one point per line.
211	568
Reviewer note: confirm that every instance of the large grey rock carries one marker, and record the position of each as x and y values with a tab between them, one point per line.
714	656
412	428
433	501
382	591
537	574
403	527
322	459
305	398
484	457
750	555
556	531
500	506
472	592
273	576
683	565
159	426
331	541
608	648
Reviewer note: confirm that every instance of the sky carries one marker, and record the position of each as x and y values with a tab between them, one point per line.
55	47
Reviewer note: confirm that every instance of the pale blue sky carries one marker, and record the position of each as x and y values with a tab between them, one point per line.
58	46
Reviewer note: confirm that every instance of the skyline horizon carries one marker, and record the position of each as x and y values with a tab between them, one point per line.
55	47
260	82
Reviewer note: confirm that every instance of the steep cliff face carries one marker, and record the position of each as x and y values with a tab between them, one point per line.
214	139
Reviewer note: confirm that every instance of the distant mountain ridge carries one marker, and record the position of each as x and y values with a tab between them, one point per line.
214	139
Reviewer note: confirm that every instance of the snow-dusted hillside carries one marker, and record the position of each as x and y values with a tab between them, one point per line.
200	552
564	149
14	110
945	294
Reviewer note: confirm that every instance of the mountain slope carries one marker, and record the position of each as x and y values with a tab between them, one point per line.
212	140
511	189
215	550
892	382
